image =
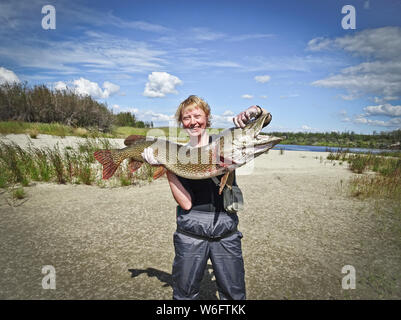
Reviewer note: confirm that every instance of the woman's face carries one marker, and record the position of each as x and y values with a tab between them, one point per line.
194	120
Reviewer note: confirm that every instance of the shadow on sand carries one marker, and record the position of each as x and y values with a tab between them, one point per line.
207	291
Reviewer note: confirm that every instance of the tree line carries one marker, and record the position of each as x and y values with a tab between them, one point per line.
382	140
20	102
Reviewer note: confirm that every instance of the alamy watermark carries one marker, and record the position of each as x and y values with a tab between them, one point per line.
349	20
49	20
49	280
349	280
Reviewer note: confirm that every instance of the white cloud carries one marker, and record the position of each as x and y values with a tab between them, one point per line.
262	79
133	110
115	106
156	116
60	86
384	109
244	37
381	43
380	75
161	83
140	25
281	63
110	89
305	127
384	99
228	113
205	34
263	97
247	96
8	76
85	87
319	43
93	52
395	122
378	78
348	97
222	120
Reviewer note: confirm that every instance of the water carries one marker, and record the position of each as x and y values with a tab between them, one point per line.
294	147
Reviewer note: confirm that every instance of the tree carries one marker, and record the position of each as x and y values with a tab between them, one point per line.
125	119
140	124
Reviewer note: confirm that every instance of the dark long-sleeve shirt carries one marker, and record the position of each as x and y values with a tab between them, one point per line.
205	193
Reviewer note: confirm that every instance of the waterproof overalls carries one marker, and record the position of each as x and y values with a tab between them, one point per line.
207	231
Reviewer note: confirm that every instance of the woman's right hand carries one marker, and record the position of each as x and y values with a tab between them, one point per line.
149	157
243	118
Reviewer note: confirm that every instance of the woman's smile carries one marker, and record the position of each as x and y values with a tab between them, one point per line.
194	120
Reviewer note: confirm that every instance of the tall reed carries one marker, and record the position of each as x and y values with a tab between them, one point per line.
385	183
69	165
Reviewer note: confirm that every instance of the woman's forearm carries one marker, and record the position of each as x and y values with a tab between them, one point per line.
181	196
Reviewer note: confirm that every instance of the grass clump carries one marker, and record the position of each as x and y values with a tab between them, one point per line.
385	183
382	178
69	165
19	193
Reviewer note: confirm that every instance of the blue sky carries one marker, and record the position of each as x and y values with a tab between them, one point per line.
292	57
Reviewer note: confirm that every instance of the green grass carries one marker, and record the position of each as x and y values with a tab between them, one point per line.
55	129
384	183
71	165
19	193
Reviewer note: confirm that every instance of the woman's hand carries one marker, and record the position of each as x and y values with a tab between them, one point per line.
148	156
242	119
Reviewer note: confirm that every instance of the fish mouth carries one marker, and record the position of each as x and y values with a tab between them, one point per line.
243	151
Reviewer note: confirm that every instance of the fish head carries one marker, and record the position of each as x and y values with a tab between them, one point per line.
237	146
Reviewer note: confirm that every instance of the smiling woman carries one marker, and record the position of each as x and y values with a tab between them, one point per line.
206	226
194	115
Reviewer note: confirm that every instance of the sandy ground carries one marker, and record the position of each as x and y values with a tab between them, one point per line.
300	229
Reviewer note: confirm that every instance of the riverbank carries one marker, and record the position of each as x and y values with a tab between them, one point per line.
300	229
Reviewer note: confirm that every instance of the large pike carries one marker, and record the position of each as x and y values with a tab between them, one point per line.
230	149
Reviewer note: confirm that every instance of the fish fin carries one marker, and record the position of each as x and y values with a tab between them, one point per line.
230	180
223	181
134	165
159	172
106	159
133	138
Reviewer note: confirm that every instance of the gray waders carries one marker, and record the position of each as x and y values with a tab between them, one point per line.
202	235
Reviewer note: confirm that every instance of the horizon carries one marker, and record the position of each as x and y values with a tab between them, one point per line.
295	59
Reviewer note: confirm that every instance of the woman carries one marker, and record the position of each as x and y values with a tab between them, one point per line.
204	229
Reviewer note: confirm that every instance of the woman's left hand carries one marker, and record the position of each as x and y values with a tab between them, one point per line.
149	157
242	119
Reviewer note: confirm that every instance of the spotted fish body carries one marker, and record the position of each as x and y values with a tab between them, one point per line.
229	150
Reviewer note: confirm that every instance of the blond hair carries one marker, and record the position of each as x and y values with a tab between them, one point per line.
192	102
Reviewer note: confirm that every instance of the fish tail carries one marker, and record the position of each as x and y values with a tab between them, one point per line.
105	157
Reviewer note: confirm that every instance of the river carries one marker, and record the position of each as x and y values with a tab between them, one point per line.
294	147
